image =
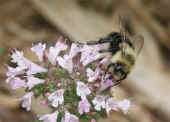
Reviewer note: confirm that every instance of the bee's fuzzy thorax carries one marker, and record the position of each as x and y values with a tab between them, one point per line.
128	60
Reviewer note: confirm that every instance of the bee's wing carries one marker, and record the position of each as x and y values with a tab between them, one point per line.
138	42
123	33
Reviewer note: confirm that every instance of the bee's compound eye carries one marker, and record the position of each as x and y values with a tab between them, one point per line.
118	68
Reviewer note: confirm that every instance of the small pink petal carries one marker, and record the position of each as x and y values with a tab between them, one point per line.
92	76
54	52
90	54
74	50
12	72
47	94
82	90
66	63
99	102
84	106
90	87
33	81
16	83
49	117
97	85
70	118
39	50
57	97
93	120
43	102
26	101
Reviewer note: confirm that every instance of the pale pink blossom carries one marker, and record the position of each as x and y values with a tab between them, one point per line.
90	54
43	102
82	90
49	117
66	63
61	46
69	118
93	120
111	105
92	76
34	68
74	50
54	52
84	106
106	84
18	57
47	94
16	83
99	102
39	50
33	81
57	97
12	72
24	63
124	105
26	101
96	85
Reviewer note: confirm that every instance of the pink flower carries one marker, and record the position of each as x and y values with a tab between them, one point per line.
124	105
111	105
49	117
26	101
82	90
23	63
34	68
70	118
117	105
90	54
12	72
93	120
99	102
47	94
106	84
43	102
57	97
96	85
54	52
84	106
92	76
33	81
18	57
66	63
39	50
74	50
16	83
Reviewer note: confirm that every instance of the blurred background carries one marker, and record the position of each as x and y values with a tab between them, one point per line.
24	22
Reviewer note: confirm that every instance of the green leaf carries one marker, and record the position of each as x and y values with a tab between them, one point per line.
42	75
1	50
59	117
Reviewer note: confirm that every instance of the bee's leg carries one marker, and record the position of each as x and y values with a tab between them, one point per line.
122	78
109	66
104	51
112	50
92	42
101	41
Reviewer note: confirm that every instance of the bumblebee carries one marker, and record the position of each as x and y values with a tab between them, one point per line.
123	51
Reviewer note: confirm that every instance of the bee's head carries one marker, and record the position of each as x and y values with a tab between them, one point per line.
118	71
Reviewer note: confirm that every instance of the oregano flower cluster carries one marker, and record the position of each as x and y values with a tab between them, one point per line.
72	81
